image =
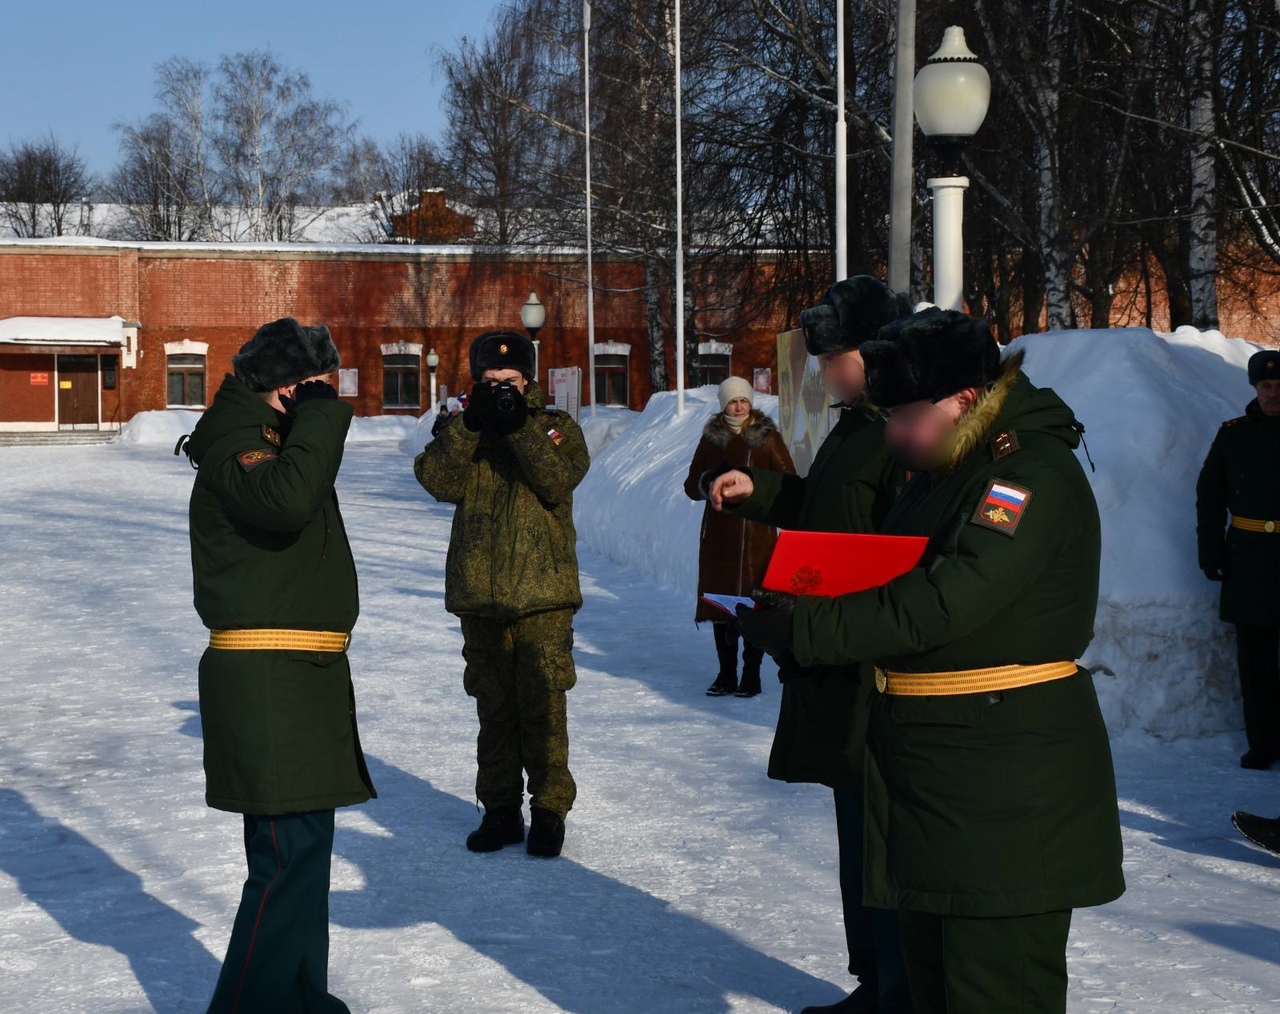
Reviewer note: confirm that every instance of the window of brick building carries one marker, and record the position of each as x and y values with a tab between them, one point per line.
714	364
612	374
186	381
401	381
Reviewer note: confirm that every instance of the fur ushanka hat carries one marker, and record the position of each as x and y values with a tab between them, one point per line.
929	356
852	312
284	352
502	350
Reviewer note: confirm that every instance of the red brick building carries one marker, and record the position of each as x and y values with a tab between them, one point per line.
94	331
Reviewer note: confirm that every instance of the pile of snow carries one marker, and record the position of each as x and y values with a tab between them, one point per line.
1152	403
604	426
632	506
162	426
366	429
165	426
1164	663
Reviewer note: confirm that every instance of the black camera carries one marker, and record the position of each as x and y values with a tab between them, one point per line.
504	397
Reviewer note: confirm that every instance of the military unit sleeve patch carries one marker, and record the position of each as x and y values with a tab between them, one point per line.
249	460
1002	506
271	436
556	436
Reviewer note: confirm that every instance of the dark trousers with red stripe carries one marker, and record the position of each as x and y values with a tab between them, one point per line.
278	959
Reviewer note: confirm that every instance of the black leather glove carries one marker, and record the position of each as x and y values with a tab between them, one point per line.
769	627
1214	573
510	410
314	390
711	475
477	414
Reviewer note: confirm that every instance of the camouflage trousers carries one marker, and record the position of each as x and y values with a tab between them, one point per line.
518	673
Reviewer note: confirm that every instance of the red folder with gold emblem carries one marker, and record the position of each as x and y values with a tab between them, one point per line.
837	563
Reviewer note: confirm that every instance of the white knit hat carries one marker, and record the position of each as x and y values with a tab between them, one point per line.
734	388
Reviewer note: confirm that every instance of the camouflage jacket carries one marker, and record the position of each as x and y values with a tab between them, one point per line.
513	549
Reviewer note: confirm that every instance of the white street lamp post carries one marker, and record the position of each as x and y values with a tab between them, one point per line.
433	361
952	94
591	285
533	315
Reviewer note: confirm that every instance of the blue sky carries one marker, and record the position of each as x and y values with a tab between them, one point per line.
78	66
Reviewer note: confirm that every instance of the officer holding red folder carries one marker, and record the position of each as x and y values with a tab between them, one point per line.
822	721
991	802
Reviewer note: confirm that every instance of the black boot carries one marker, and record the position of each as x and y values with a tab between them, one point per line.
861	1001
751	659
1260	830
726	638
498	828
546	833
1257	760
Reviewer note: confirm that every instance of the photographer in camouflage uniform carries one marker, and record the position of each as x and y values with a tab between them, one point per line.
512	578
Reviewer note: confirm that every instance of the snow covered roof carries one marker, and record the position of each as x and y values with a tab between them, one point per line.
62	331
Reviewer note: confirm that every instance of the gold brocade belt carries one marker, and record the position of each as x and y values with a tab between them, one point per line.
1250	525
269	639
969	681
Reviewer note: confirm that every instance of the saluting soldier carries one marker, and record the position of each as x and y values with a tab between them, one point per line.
991	801
822	721
511	576
1241	477
276	584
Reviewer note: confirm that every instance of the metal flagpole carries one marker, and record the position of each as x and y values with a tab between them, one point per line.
842	147
903	137
679	311
591	285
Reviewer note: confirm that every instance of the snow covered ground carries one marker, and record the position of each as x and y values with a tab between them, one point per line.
690	882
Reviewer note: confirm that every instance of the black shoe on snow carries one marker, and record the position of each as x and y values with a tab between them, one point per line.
723	686
750	685
498	829
1257	760
546	834
861	1001
1262	831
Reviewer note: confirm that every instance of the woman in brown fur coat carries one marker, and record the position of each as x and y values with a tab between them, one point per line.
733	553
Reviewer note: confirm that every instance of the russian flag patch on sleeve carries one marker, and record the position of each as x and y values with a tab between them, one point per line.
1002	506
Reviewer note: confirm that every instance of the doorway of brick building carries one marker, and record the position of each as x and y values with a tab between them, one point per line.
77	392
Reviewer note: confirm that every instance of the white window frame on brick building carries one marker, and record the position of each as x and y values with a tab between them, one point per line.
186	359
613	371
398	361
715	362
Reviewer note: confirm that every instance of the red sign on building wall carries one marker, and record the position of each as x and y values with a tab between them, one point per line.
39	380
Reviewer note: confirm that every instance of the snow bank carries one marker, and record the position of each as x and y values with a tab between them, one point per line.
1152	403
162	426
605	426
1163	662
165	426
365	429
632	507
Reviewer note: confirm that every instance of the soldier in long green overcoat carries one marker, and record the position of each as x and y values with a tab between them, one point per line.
991	801
510	465
1241	478
276	584
822	721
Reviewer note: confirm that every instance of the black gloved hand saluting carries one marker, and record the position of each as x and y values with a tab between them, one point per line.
314	390
510	410
769	627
